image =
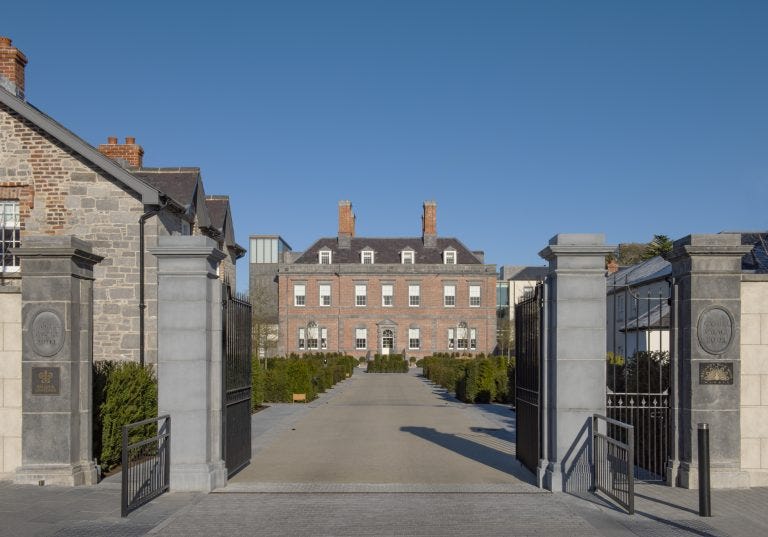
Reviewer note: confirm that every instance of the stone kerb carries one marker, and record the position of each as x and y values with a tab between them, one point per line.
57	347
706	344
574	384
189	358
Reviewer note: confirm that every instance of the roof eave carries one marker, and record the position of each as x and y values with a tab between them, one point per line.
149	195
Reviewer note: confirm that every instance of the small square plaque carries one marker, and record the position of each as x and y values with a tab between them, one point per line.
716	373
46	380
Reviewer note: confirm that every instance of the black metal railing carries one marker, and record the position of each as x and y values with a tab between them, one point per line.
638	373
528	378
613	460
146	462
236	362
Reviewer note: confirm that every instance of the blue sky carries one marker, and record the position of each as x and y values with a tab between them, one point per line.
522	119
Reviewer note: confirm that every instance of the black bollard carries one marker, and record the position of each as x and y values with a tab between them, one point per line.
705	504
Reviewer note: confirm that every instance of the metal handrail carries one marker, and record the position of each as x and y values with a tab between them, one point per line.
145	476
613	470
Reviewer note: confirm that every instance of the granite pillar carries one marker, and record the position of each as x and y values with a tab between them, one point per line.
57	359
706	345
575	335
189	359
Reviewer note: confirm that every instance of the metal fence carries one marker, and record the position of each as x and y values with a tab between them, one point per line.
638	374
613	460
528	378
236	362
146	462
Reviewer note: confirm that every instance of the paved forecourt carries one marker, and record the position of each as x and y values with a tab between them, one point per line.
389	433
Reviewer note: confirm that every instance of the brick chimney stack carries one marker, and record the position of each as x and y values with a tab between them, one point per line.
613	266
130	153
346	224
12	64
429	224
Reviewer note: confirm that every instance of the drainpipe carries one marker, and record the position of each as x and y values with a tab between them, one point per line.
152	211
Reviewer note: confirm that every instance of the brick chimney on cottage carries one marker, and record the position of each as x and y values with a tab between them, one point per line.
346	224
613	266
429	224
129	153
12	64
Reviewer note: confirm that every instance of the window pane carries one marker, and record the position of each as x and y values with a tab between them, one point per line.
274	251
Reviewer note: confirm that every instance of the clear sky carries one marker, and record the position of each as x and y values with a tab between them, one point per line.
522	119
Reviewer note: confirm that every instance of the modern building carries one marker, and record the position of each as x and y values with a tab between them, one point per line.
366	295
515	282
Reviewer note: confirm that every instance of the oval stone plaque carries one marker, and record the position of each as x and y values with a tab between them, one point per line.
47	333
715	330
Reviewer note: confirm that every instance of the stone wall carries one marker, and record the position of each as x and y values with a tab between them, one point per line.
754	378
10	381
62	194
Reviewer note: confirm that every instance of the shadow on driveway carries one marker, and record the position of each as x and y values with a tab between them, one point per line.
493	458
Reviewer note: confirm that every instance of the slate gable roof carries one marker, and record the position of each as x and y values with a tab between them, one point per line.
387	251
178	183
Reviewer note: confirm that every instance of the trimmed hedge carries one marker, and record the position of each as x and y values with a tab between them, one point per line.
393	363
123	393
482	379
310	373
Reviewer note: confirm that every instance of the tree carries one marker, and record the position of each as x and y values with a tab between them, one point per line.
660	245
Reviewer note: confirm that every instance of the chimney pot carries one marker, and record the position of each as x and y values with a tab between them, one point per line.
5	42
129	153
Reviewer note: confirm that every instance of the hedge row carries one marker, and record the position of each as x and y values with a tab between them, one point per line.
393	363
123	393
474	380
310	374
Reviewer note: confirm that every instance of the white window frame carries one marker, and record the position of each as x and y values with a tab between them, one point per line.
364	338
323	338
361	299
10	225
321	288
407	257
451	339
475	292
313	343
414	303
299	300
324	253
449	298
364	255
473	339
449	257
391	296
414	334
462	343
302	339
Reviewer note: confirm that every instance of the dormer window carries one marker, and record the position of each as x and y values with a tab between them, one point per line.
449	257
406	257
366	257
324	257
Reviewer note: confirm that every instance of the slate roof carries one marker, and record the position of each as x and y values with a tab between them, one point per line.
178	183
657	317
217	210
523	273
387	250
634	275
757	259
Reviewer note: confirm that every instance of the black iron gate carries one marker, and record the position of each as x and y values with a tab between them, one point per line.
236	375
528	378
638	374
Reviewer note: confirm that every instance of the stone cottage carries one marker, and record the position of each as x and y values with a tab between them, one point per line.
54	183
